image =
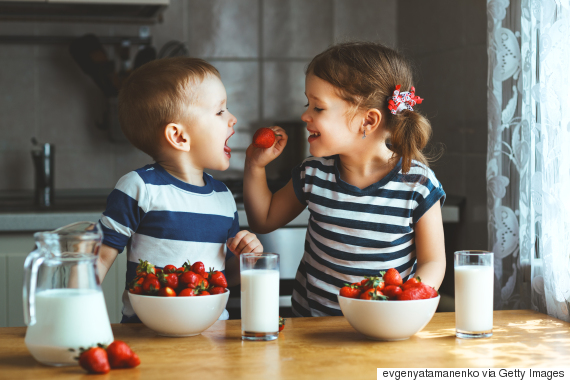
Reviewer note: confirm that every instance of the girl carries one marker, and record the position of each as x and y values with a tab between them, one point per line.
373	205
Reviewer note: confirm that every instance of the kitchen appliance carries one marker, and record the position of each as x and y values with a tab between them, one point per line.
64	307
43	157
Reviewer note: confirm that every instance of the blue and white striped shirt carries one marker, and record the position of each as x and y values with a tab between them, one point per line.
355	232
164	220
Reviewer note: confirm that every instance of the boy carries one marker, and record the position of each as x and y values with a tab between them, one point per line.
171	211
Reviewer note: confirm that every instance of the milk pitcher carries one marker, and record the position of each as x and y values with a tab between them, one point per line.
64	307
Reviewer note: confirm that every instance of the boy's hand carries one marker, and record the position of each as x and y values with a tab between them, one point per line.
261	157
244	242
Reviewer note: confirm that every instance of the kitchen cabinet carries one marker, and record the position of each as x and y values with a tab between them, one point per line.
316	348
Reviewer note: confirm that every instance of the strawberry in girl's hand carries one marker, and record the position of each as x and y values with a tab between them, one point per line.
264	138
121	356
94	360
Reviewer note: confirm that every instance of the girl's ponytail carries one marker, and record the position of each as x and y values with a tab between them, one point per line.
410	132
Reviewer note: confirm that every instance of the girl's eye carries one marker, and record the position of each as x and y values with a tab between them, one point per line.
220	113
318	109
306	105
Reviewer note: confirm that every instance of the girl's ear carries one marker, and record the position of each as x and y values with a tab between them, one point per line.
177	137
372	120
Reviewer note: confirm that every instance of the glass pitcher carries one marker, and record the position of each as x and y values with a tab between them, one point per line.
64	306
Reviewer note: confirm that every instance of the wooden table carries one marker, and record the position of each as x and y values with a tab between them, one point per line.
318	348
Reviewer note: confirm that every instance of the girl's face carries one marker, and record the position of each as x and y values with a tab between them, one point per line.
327	118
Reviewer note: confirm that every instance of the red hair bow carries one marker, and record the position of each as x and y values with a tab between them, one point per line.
400	101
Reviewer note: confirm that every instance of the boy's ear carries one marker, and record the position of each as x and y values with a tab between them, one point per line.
177	137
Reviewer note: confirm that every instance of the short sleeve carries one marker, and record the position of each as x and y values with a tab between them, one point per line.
431	191
298	178
124	211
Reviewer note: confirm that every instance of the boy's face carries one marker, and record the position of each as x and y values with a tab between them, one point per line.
211	126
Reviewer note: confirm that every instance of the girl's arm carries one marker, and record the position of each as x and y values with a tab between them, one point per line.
430	247
267	211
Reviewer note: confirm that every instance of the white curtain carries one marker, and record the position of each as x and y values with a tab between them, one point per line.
528	156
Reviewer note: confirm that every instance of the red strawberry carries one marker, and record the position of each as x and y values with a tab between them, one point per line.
217	290
370	282
151	285
94	360
198	267
264	138
392	291
373	294
170	280
392	277
167	291
169	269
415	281
350	291
217	278
187	293
121	356
144	267
191	279
204	293
281	323
135	286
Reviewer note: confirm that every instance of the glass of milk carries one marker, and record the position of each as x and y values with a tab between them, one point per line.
259	273
474	278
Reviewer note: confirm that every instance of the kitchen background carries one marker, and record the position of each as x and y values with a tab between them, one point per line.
261	48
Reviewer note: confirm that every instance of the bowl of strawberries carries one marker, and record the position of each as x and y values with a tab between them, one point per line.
178	301
386	308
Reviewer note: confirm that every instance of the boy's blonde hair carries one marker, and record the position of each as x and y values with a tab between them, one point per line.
156	94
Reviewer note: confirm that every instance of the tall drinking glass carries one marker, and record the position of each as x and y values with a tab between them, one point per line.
473	294
259	274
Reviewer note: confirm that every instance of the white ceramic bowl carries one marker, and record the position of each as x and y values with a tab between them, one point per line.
179	316
388	320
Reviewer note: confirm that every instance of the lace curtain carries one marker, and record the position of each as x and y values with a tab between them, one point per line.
528	155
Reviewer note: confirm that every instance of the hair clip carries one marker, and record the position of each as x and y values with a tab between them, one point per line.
400	101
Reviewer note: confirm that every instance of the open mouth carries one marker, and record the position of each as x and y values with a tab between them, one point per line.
313	136
227	149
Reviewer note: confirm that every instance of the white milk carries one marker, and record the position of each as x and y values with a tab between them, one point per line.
67	318
260	300
474	298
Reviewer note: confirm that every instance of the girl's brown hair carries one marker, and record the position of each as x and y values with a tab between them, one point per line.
365	74
156	94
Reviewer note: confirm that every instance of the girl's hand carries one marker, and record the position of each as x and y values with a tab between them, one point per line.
261	157
244	242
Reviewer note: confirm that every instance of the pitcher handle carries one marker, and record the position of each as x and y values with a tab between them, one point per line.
31	267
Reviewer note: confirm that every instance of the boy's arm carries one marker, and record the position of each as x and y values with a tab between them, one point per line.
105	259
430	247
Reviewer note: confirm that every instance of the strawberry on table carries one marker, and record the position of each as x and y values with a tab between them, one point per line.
281	323
121	356
94	360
